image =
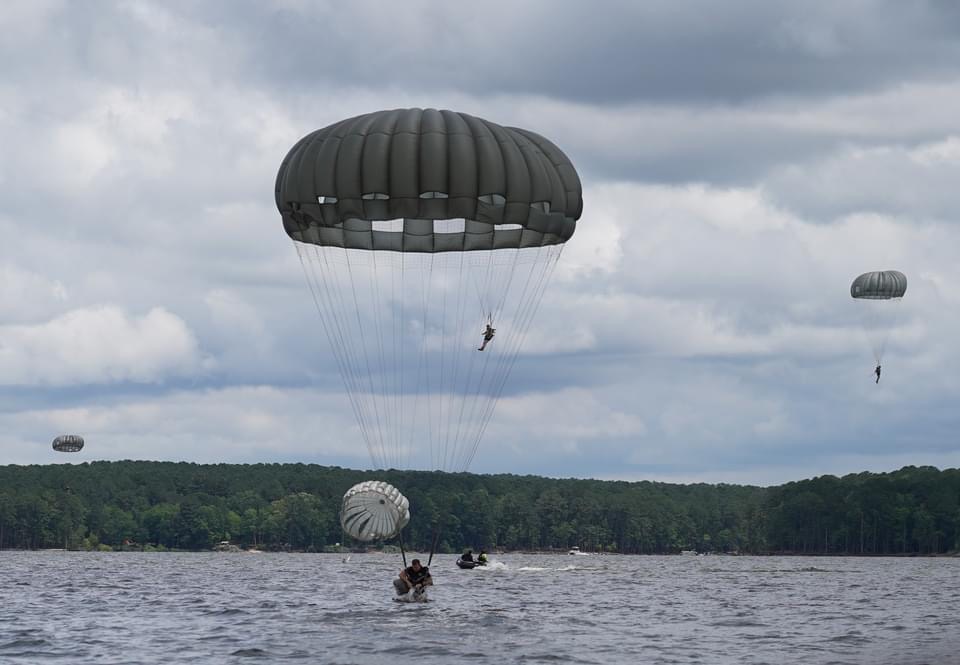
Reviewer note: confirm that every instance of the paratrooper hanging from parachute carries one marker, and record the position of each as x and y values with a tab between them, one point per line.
879	294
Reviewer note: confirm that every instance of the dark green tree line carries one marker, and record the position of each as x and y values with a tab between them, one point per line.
915	510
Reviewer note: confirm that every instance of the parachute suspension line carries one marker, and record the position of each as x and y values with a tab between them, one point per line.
475	393
486	310
458	387
329	312
501	371
342	344
504	288
879	318
467	397
378	327
423	356
348	313
421	361
481	407
334	332
399	349
433	545
459	349
530	310
403	554
364	395
366	355
441	461
533	304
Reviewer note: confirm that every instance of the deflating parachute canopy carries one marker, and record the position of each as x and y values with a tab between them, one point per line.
374	510
422	233
879	285
68	443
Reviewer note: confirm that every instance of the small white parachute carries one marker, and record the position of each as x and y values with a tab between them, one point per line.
374	510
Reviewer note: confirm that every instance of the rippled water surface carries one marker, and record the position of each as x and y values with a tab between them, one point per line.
78	607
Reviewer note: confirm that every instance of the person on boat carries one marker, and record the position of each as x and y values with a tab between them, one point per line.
467	556
415	576
487	336
877	372
482	558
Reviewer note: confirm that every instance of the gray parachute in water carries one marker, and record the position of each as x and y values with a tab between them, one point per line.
374	510
878	295
421	234
68	443
879	285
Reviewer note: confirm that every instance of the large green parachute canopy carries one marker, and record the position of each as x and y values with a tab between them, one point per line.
68	443
421	231
512	187
878	294
374	510
879	285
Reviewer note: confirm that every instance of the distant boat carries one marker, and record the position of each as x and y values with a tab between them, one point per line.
575	551
688	552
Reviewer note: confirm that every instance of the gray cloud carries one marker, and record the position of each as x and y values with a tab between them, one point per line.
611	52
740	168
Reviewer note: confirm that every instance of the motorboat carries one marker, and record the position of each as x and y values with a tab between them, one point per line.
467	565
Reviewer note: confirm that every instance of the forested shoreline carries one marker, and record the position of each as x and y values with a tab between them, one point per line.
294	507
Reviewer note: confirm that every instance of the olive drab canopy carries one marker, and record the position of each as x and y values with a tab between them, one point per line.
417	229
878	295
512	187
374	510
68	443
879	285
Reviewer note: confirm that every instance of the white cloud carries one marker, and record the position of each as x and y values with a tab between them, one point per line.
26	295
562	423
248	423
98	345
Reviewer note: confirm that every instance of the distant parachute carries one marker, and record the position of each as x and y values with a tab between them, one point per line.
68	443
374	510
878	294
879	285
420	232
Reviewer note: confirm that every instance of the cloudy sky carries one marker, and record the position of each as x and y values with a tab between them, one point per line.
741	164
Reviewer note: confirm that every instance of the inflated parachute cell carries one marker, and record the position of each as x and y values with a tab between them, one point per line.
879	285
68	443
374	510
511	187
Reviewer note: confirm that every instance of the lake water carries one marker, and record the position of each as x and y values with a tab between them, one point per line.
76	607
